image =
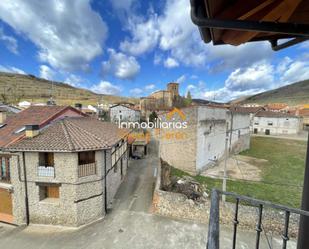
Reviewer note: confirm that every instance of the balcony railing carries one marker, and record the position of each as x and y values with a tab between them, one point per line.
214	221
87	169
46	171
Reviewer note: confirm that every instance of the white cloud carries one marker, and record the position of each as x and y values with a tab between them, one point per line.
9	69
150	87
9	41
295	71
122	5
120	65
173	32
105	87
73	80
171	63
69	34
136	91
46	72
257	76
181	79
145	35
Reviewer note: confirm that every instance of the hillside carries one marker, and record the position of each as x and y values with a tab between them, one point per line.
17	87
293	94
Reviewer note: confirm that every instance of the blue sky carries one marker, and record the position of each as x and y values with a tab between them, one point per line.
131	48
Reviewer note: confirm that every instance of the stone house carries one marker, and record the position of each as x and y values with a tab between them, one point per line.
124	113
201	144
276	123
64	173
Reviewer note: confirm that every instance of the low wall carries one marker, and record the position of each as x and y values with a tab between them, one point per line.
177	205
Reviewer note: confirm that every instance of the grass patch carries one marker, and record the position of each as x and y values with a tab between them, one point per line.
282	175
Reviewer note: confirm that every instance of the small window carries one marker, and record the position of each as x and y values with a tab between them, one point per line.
49	192
46	159
238	133
256	123
86	157
270	123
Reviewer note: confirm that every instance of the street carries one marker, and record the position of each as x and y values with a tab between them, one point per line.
129	224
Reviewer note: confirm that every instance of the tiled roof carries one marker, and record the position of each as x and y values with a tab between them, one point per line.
38	115
73	134
246	110
270	114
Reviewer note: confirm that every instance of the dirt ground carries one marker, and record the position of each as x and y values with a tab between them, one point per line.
239	167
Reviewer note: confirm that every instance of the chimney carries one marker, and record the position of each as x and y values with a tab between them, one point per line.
32	131
78	106
2	117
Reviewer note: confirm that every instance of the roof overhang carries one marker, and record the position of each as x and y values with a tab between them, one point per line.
236	22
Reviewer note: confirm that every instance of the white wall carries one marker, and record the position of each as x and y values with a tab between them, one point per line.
211	134
282	125
124	114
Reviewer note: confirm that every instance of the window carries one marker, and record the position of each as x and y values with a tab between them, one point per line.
269	123
4	169
49	192
86	157
256	123
238	133
46	159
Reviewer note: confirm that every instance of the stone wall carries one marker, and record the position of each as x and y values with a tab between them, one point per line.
177	205
81	199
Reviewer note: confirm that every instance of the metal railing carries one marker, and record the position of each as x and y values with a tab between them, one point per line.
214	218
46	171
87	169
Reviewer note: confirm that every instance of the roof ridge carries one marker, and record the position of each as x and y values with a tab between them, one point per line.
89	133
67	135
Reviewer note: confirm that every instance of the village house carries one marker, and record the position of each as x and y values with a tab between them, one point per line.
251	111
202	143
59	167
276	123
124	113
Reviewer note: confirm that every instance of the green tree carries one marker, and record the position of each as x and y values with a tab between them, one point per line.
153	116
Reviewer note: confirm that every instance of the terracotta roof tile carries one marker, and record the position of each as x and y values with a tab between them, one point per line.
73	134
271	114
39	115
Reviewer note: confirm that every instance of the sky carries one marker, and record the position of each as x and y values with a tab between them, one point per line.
132	48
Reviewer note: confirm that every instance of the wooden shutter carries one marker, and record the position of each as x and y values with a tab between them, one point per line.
53	192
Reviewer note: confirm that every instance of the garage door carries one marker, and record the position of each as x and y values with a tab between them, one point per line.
6	214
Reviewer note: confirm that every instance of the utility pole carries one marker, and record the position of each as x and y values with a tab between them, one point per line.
225	161
303	238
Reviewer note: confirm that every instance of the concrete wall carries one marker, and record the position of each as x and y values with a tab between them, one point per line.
280	126
180	151
240	138
125	113
203	143
211	134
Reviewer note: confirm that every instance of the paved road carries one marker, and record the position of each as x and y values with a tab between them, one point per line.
128	225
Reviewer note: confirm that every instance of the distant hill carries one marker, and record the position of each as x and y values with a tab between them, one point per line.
293	94
17	87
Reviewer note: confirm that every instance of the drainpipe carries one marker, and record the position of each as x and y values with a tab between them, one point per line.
105	186
26	190
303	238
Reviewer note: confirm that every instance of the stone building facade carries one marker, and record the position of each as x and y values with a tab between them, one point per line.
160	100
66	173
202	144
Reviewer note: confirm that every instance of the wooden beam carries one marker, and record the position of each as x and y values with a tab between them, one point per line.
281	13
